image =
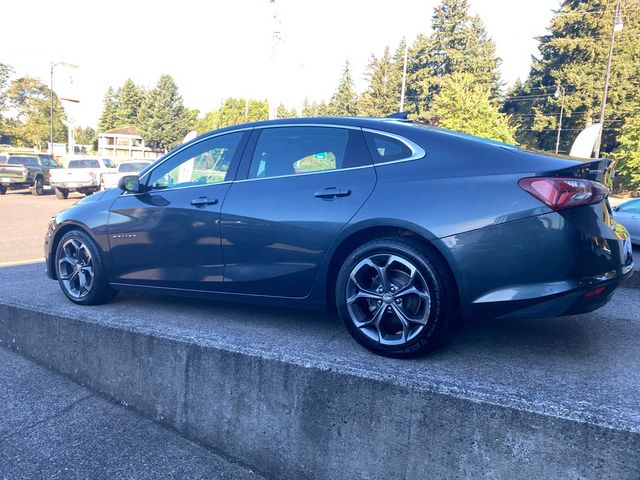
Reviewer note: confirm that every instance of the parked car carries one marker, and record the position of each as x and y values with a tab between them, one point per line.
397	226
129	167
25	170
628	214
81	175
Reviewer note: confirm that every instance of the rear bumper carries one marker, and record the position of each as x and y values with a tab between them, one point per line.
559	263
76	185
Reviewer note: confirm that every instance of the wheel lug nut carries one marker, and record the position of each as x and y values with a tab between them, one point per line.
380	290
379	302
393	289
398	300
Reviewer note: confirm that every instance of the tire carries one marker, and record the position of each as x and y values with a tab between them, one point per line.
416	309
38	187
62	193
3	189
80	270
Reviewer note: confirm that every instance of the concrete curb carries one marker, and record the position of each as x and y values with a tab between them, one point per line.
291	420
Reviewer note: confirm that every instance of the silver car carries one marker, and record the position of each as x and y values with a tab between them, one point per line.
628	214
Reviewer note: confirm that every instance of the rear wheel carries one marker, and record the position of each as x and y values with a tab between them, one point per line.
80	270
396	298
62	193
38	187
3	189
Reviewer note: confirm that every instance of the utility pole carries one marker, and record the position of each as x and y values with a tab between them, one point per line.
51	113
404	76
275	43
559	93
617	27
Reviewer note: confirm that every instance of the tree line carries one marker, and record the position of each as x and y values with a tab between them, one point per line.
452	80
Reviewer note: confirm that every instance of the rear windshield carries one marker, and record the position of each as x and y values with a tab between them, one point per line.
84	164
132	167
23	161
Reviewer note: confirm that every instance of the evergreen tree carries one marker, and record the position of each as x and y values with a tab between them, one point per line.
572	61
344	102
164	120
284	112
109	117
382	96
31	100
465	105
458	44
627	156
129	101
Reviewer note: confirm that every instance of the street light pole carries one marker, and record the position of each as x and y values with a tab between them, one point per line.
559	92
51	117
617	27
404	76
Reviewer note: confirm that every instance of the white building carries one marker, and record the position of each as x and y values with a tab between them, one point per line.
124	142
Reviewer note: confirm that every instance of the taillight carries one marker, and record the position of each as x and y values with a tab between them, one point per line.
559	192
92	174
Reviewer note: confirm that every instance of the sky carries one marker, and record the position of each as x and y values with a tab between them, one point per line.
217	49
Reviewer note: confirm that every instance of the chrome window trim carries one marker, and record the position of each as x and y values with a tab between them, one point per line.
324	125
417	152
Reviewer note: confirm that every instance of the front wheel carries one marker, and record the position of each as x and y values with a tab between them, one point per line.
396	298
80	271
3	189
62	193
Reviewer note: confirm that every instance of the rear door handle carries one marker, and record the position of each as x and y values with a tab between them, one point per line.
203	201
330	193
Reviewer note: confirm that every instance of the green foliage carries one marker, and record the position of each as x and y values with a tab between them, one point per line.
109	117
284	112
30	99
574	55
382	96
128	104
163	118
85	136
234	111
627	156
458	43
5	75
465	105
344	102
315	109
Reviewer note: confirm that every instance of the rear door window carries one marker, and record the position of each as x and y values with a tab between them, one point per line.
284	151
108	163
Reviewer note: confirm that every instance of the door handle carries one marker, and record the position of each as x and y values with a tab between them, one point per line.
330	193
203	201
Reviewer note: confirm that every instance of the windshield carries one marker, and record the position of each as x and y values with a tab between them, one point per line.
84	164
22	161
132	167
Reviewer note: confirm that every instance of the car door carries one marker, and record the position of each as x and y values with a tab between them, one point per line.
169	235
298	186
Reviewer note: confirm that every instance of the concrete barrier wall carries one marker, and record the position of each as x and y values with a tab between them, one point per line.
291	420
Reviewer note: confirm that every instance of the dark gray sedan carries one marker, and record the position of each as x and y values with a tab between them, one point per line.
398	227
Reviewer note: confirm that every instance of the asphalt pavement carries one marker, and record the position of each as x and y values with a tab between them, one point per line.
24	218
52	428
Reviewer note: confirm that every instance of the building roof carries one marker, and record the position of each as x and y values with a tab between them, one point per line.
123	131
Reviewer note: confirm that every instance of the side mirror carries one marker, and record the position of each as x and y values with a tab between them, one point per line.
130	183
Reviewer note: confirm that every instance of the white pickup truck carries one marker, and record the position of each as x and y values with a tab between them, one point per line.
128	167
81	175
